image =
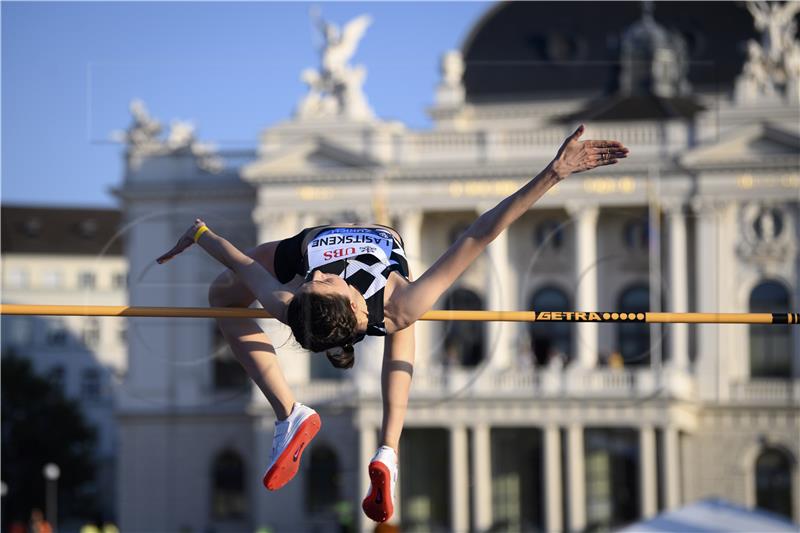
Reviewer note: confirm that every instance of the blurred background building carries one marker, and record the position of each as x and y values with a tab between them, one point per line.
510	427
64	256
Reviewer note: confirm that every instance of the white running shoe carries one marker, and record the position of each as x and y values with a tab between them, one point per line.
290	439
379	502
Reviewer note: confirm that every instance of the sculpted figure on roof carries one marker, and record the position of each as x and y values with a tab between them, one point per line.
773	65
335	89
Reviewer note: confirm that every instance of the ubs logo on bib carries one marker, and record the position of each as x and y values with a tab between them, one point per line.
337	253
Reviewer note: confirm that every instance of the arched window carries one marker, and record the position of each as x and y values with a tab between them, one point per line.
549	339
228	500
322	481
633	338
770	346
228	373
464	341
774	482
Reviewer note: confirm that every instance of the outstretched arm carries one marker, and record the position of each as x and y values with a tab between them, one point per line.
412	300
272	294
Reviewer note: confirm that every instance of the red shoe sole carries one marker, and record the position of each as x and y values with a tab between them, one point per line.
378	504
287	464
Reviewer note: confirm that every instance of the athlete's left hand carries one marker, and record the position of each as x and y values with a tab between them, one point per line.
186	240
576	155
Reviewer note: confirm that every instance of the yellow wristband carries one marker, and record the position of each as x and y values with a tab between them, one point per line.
202	229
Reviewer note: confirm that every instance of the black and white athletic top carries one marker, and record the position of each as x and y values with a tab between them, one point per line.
364	257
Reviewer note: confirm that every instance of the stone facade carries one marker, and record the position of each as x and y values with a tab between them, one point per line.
706	209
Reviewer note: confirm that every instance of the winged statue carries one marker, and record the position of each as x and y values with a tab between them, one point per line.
335	88
340	45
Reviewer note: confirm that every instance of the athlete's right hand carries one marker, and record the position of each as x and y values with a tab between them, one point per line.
577	156
186	240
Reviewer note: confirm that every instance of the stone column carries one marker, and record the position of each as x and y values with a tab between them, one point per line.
648	471
459	479
552	480
672	468
482	472
586	279
410	228
678	293
576	476
501	295
706	268
367	444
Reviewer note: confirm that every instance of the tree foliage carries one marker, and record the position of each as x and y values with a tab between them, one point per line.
39	426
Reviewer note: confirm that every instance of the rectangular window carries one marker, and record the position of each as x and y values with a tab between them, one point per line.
91	332
56	375
17	278
612	477
52	279
119	280
56	333
424	492
90	384
86	280
20	330
517	478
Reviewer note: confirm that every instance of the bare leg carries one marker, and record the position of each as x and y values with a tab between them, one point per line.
251	346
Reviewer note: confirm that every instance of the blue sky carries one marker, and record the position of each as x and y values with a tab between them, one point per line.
69	71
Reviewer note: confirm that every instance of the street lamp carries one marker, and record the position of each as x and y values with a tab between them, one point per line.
51	473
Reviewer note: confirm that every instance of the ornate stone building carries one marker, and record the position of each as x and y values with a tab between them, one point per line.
510	426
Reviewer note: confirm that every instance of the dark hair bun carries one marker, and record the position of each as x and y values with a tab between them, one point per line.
343	359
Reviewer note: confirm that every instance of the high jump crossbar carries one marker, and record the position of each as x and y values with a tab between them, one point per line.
482	316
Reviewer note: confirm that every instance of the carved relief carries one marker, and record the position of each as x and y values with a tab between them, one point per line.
765	234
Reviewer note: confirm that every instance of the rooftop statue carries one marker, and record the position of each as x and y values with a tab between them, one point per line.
144	139
144	129
336	88
772	69
450	91
776	21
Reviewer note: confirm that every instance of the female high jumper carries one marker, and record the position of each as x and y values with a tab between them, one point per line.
335	284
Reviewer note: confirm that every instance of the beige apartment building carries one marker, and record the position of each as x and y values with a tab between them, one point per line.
70	256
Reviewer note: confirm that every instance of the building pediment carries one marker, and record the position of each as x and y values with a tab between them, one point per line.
317	156
756	144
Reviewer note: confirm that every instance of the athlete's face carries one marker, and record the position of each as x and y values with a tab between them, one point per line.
321	283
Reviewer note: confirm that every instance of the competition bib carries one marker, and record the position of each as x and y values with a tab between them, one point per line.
336	244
